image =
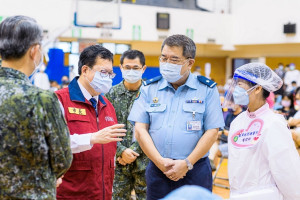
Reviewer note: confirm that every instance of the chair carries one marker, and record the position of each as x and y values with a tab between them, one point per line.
216	172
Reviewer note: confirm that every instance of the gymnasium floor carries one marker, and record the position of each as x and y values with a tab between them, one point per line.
222	192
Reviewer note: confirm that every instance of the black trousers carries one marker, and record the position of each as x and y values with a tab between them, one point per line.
158	185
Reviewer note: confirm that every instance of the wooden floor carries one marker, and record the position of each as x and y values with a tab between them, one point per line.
222	192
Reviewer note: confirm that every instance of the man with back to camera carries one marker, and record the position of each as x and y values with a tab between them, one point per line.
92	122
177	117
131	161
34	138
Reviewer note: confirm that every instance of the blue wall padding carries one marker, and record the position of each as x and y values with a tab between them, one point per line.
55	68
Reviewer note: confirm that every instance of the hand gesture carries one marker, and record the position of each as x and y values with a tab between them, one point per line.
178	170
108	134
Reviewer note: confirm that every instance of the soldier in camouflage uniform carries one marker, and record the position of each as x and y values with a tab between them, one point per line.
34	139
131	161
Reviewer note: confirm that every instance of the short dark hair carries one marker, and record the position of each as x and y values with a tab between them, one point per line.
133	54
297	90
17	34
188	45
266	93
90	54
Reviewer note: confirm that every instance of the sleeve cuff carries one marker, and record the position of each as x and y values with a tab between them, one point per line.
80	143
120	150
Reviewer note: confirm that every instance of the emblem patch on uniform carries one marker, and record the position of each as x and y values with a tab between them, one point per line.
155	100
249	137
138	95
78	111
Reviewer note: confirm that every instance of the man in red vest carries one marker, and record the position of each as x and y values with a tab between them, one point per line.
93	127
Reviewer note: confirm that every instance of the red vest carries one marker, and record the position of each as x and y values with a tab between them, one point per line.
92	172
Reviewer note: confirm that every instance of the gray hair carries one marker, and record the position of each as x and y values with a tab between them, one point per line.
188	45
17	34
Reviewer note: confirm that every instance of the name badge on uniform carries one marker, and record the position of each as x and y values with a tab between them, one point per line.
78	111
155	105
194	100
193	125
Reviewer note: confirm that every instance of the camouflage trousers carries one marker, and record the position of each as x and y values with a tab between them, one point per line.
130	177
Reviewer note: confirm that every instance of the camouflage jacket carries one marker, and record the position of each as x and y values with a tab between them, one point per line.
122	100
34	139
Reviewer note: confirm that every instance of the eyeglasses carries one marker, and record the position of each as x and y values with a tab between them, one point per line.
131	68
104	73
164	59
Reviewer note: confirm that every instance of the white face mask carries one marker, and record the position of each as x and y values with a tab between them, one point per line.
132	76
170	72
101	84
42	68
37	66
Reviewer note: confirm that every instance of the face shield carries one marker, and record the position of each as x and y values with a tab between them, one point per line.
257	74
237	94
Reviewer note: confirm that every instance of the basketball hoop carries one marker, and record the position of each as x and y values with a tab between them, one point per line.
103	24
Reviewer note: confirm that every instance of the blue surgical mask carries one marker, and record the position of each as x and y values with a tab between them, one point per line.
170	72
132	76
101	84
280	67
240	95
292	67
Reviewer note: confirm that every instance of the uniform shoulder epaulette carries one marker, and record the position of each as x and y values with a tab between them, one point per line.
206	81
152	80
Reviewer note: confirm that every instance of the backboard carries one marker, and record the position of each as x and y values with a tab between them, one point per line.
98	14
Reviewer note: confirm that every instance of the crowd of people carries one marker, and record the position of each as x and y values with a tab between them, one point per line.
92	140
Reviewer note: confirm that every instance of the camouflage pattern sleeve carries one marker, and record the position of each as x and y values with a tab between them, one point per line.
120	149
57	134
111	96
136	147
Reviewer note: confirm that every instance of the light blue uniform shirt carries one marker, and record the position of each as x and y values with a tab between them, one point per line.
167	112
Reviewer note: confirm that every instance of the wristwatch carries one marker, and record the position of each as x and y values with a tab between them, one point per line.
189	165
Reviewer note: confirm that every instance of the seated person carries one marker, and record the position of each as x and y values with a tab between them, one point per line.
288	109
294	122
221	146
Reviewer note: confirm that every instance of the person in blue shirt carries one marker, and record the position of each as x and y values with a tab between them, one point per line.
177	117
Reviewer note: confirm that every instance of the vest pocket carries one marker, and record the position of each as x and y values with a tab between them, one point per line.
74	117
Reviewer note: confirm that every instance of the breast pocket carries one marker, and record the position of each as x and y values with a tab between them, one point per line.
79	123
157	114
193	112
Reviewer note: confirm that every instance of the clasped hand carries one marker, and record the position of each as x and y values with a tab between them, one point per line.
174	169
128	156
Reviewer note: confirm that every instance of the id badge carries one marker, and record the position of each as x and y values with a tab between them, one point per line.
193	126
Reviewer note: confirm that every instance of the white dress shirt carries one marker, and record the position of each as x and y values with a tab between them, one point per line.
82	142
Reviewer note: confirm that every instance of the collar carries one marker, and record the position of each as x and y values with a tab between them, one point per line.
258	112
120	88
85	93
79	93
12	73
191	82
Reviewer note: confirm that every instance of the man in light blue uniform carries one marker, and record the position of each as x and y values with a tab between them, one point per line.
177	117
